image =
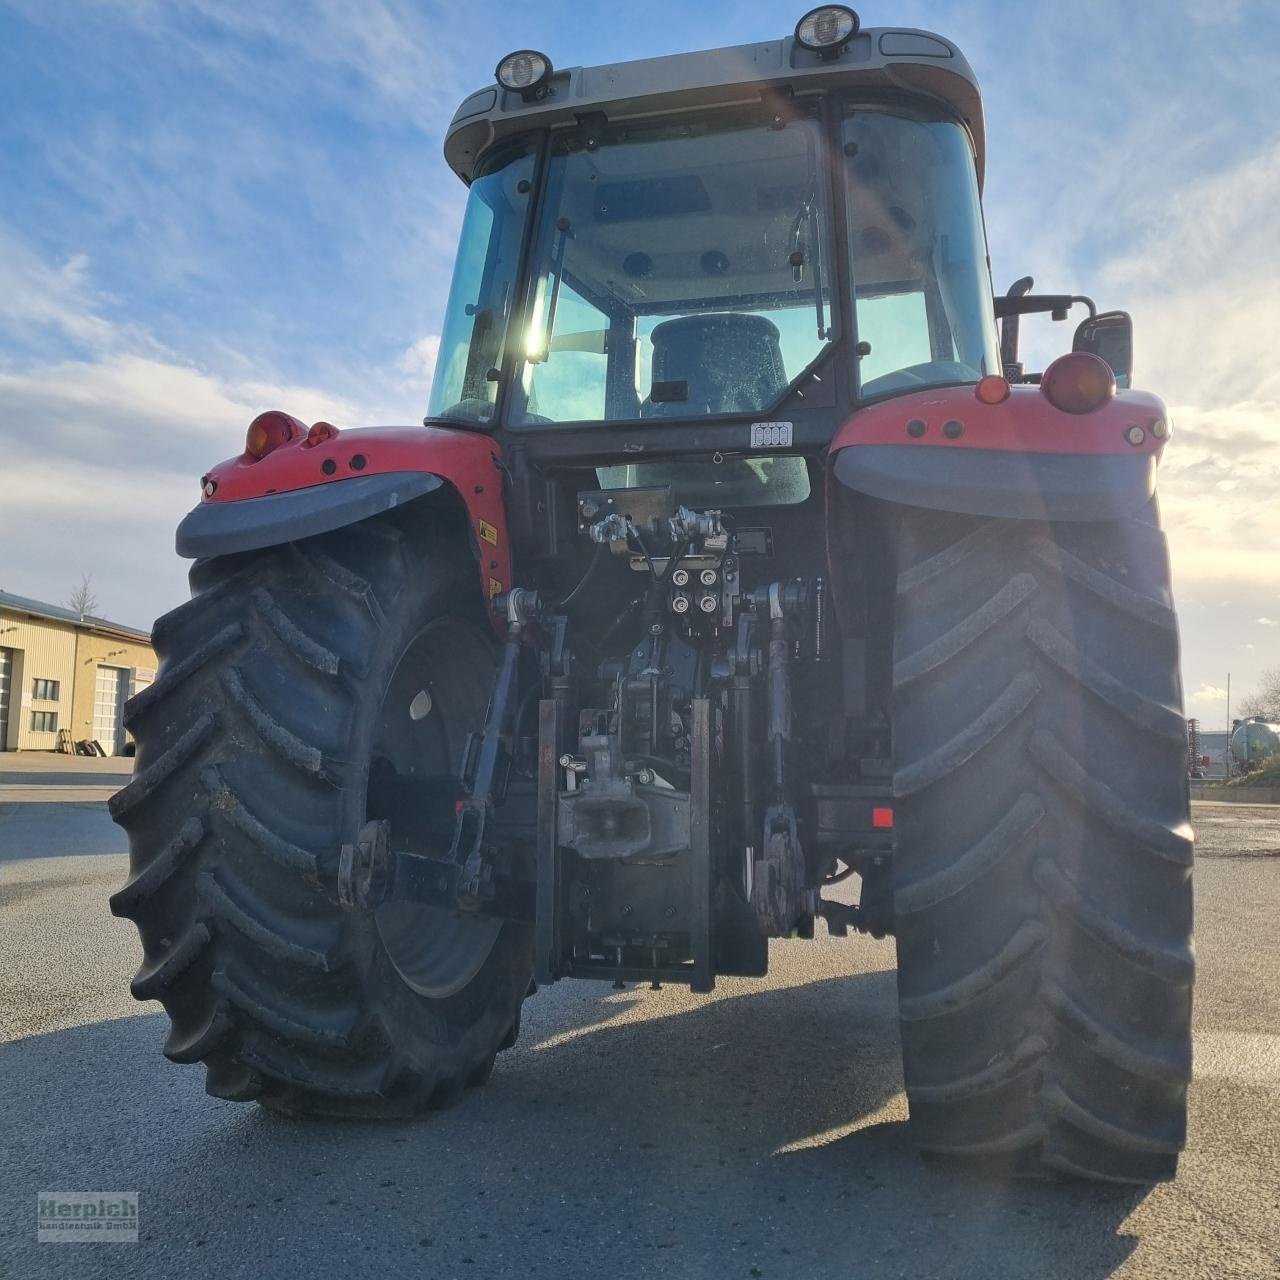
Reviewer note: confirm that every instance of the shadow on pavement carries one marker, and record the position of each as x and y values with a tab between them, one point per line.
116	780
58	829
629	1134
25	886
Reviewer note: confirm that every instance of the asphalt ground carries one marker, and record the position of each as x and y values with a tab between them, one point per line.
760	1131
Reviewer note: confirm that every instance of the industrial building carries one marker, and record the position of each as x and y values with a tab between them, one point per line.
60	671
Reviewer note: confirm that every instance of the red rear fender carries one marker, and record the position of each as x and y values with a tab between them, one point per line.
313	480
1020	458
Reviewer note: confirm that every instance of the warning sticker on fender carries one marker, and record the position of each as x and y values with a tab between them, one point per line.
489	533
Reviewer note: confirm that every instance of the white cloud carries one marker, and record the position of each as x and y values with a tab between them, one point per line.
102	459
103	451
419	360
1170	217
407	53
401	57
131	410
1232	536
1198	278
1266	622
39	297
1207	694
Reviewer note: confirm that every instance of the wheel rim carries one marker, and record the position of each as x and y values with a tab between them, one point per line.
436	696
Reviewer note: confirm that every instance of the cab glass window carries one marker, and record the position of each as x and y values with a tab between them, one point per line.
732	482
680	270
921	280
483	289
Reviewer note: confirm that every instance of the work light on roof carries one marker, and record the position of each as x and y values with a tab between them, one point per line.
827	30
524	71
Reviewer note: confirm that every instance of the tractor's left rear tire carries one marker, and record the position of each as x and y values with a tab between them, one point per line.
297	690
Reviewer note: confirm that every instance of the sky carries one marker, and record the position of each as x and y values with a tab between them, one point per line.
213	207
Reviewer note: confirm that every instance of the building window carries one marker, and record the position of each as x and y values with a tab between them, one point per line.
45	690
44	722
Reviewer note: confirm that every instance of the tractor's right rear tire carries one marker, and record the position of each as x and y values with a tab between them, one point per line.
297	690
1043	854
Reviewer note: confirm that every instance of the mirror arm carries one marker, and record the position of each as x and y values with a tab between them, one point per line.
1009	329
1012	305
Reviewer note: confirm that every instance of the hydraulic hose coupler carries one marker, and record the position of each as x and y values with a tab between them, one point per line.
519	606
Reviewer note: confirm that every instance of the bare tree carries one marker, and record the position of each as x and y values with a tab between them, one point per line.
1265	700
83	599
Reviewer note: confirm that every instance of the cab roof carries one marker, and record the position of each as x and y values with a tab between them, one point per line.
877	59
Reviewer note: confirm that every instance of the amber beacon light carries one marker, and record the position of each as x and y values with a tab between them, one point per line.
1078	383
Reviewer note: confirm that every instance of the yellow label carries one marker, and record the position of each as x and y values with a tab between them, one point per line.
488	533
495	588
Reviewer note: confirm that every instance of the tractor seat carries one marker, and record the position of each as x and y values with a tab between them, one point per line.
728	362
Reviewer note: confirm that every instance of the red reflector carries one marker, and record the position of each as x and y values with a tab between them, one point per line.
1078	382
992	389
882	819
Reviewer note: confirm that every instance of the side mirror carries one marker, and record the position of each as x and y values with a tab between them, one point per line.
1109	335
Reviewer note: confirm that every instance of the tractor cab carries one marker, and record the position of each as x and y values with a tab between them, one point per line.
717	251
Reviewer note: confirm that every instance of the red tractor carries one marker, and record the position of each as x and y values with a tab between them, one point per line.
732	560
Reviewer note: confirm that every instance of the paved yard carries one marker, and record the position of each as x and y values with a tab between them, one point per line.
757	1132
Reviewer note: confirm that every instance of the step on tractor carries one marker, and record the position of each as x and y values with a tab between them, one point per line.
737	557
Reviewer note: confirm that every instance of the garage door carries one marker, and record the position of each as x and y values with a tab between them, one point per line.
109	694
6	681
